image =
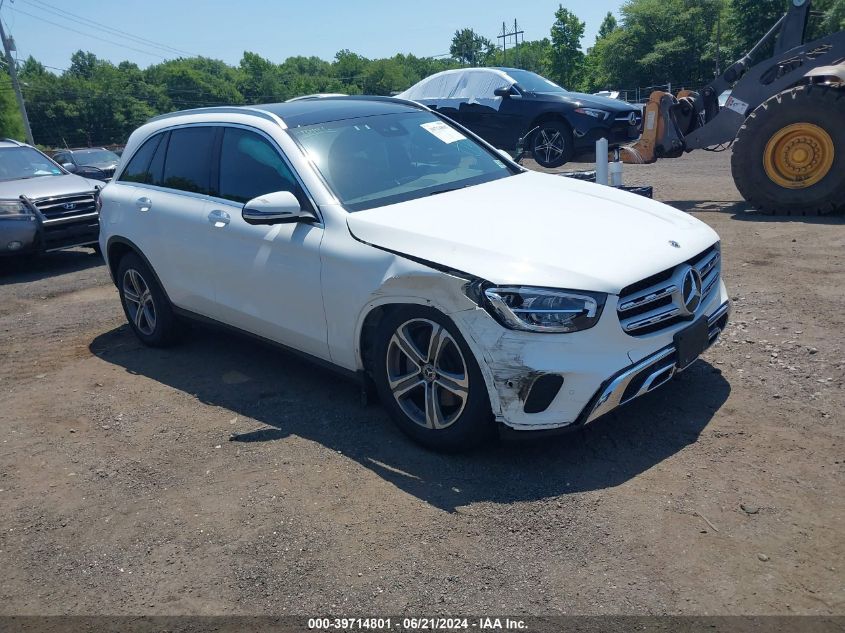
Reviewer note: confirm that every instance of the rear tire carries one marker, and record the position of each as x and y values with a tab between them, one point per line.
146	306
789	155
429	381
552	144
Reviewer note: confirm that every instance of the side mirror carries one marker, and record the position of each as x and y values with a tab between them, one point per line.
505	153
275	208
70	167
504	91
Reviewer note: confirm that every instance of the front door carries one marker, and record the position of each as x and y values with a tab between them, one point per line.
266	277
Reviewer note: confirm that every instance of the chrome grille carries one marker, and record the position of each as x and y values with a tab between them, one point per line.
653	304
66	208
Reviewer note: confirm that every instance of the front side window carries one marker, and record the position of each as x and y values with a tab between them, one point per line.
138	168
532	82
379	160
250	166
187	166
17	163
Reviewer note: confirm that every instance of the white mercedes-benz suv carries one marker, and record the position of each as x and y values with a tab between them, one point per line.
383	239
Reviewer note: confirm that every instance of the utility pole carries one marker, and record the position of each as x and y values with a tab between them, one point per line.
504	37
718	42
15	84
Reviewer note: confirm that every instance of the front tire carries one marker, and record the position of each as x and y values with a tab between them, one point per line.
429	381
552	144
789	155
145	305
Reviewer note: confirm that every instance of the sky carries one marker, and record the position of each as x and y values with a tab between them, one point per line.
153	30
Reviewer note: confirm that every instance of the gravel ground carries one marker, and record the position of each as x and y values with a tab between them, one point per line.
224	477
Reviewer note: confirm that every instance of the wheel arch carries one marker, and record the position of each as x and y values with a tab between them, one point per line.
117	248
549	115
375	311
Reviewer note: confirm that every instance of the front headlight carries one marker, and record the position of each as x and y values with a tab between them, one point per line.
593	112
544	309
12	207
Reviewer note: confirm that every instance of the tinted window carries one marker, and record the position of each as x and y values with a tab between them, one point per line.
156	168
250	166
188	163
138	168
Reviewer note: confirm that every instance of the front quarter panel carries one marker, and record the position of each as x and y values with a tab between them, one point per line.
358	277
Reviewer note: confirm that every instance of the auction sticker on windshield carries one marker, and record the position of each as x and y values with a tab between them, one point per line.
442	131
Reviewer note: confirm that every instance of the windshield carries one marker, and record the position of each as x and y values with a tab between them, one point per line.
25	162
532	82
89	156
379	160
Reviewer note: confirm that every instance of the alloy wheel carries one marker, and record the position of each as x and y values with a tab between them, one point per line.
549	145
139	302
427	373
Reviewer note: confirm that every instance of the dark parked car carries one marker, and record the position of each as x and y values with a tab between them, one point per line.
102	161
502	105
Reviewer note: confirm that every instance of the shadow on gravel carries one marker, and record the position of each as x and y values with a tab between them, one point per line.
27	268
744	212
289	396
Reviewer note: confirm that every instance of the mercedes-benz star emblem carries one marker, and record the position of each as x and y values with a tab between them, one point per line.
632	118
691	291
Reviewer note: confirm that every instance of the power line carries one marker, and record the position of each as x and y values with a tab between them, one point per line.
96	37
67	15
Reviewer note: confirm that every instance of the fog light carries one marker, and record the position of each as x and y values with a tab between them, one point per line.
13	246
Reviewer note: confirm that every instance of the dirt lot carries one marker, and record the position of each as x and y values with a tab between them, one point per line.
221	476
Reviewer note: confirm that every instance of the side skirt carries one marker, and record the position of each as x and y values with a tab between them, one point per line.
354	376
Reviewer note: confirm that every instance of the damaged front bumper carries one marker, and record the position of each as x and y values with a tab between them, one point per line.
542	382
646	375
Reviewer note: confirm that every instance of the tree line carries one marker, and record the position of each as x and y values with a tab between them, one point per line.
650	43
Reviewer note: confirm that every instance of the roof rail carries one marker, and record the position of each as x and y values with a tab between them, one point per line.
407	102
222	110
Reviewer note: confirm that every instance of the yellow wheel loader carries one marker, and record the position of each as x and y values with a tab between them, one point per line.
785	118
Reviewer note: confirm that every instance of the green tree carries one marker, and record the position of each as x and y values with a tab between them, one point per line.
468	47
748	22
608	25
567	58
11	122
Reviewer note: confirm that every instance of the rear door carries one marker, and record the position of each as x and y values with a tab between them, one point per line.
267	277
181	175
159	203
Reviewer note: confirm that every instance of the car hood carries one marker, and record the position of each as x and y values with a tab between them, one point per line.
538	230
45	187
579	99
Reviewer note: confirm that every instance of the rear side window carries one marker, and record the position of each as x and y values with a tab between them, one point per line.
156	168
187	166
138	168
250	166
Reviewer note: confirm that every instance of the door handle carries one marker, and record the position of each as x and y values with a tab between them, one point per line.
218	218
143	204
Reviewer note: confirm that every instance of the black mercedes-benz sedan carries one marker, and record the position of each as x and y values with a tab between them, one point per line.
502	105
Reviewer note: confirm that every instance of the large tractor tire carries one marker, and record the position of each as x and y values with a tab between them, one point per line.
789	156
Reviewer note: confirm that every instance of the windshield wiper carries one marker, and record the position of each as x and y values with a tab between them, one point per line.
434	193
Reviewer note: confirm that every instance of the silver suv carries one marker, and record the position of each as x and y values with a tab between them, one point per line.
43	207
